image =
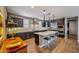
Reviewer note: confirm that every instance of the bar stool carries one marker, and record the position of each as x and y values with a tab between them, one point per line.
53	41
52	38
48	40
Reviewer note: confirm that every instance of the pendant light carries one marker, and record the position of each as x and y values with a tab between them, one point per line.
44	23
44	14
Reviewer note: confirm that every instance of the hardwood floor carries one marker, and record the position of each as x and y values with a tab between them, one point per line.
66	46
31	48
62	46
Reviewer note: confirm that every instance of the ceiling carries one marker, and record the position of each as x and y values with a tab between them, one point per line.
37	11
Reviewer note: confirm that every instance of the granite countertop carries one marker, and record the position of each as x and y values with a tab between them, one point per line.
19	30
46	33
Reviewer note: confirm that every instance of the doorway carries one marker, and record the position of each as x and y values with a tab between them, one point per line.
72	27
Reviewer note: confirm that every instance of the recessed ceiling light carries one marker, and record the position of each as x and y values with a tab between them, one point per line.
32	6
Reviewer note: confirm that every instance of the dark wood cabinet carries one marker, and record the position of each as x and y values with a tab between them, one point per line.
61	27
44	24
23	35
37	39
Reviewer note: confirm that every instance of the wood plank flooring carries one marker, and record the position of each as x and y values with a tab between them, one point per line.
62	46
66	46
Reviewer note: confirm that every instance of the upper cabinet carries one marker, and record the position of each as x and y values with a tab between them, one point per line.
3	17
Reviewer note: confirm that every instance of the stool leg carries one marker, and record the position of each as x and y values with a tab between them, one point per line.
50	45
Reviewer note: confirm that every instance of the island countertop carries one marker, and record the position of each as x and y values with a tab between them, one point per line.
46	33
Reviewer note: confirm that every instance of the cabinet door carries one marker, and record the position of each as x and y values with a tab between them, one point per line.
44	24
48	23
37	39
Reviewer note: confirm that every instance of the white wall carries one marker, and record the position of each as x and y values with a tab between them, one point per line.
26	23
73	27
66	20
40	24
78	30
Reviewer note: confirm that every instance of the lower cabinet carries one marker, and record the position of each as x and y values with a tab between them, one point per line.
45	41
37	39
23	35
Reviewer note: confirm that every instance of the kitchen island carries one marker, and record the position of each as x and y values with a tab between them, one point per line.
43	38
